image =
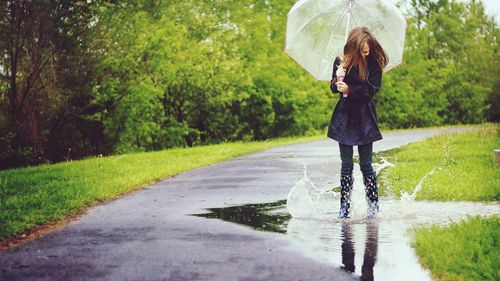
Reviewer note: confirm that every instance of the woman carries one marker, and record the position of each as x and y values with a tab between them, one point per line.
354	120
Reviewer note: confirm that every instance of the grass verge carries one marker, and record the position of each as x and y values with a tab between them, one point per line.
464	168
468	250
30	197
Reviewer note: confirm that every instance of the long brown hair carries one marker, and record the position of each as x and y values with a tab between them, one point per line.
352	51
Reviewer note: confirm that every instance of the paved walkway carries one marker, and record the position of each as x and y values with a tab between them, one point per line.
149	235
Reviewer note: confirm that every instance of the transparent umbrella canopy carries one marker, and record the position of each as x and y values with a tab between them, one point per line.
317	30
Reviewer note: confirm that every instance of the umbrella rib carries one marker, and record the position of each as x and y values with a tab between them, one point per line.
380	21
354	19
309	20
331	35
343	14
377	17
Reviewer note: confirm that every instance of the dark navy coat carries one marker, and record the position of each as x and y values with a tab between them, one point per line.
354	119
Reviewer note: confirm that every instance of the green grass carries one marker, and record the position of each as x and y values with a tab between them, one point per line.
466	169
468	250
33	196
436	127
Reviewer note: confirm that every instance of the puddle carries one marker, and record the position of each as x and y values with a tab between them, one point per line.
266	217
378	249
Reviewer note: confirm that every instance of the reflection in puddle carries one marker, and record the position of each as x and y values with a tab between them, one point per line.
377	249
370	254
268	217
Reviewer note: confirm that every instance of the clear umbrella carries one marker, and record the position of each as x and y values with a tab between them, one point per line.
317	31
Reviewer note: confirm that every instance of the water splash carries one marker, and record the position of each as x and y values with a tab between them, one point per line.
406	196
306	200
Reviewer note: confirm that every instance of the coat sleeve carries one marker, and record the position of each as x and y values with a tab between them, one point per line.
333	87
366	91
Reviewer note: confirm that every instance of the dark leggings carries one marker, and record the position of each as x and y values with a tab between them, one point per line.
365	159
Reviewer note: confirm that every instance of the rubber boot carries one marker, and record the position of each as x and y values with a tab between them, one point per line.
346	183
371	191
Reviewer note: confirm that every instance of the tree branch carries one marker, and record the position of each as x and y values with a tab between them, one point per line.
35	74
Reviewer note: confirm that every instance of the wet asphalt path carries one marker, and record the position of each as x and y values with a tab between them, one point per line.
149	234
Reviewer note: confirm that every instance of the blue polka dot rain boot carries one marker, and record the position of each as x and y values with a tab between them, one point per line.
371	191
346	183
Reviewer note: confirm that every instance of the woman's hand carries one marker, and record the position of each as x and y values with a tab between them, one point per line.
342	87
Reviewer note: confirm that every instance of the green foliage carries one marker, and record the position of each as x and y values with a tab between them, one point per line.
467	250
145	75
203	76
449	70
36	195
465	168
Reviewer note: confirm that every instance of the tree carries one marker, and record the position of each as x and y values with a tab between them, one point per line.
38	41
